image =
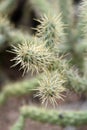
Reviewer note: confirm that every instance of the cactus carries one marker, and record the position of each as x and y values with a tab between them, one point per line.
54	116
54	54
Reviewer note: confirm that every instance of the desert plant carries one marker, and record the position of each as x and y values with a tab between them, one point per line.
57	52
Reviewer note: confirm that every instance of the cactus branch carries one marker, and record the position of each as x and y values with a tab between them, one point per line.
74	82
65	118
20	88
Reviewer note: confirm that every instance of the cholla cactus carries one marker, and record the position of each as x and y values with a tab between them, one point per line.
57	73
51	30
33	56
51	88
38	54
